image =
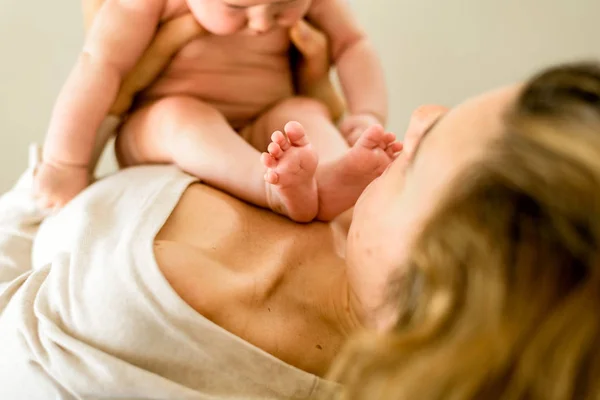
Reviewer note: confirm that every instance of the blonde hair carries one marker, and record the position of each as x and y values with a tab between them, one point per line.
500	298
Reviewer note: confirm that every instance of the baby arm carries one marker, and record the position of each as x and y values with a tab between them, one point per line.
171	37
358	66
90	8
120	33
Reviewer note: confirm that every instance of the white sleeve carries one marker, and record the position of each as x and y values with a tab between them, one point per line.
20	219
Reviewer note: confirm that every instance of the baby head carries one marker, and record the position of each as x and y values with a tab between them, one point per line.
225	17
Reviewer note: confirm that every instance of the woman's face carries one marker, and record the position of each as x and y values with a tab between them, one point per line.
439	145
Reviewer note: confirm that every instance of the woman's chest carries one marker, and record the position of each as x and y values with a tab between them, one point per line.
255	274
249	301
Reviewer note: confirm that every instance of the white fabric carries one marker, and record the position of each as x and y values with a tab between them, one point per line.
92	317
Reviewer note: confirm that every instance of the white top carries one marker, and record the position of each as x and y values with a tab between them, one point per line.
91	316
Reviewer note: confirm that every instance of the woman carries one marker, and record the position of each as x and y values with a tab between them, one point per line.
486	237
151	285
480	271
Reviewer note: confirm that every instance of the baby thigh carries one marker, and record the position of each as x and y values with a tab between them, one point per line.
196	137
312	114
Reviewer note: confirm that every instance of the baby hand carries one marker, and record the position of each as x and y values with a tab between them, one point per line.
56	184
354	125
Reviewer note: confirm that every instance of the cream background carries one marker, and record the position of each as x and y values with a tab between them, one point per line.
432	51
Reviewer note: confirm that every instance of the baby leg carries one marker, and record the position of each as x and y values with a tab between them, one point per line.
197	138
343	172
312	115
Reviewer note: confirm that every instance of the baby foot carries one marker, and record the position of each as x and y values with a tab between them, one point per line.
291	164
342	181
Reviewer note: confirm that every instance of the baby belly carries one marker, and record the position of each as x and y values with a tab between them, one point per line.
240	81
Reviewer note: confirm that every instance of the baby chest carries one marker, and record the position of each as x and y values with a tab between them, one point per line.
241	51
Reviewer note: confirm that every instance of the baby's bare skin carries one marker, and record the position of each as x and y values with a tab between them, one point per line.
236	79
240	75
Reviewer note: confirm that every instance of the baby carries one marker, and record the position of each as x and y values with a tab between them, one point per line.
219	101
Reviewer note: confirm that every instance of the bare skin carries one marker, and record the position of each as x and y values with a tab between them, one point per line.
256	78
298	291
305	312
237	286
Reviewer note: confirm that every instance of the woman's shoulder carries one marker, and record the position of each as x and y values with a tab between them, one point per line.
113	204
